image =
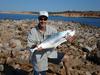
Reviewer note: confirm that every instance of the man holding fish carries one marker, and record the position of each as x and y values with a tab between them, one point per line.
42	49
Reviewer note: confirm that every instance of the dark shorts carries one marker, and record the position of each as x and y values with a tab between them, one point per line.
58	59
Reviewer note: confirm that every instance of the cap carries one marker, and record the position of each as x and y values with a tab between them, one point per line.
43	13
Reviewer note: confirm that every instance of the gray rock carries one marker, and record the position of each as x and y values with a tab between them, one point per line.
1	67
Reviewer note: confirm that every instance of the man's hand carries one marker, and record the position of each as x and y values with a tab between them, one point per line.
40	49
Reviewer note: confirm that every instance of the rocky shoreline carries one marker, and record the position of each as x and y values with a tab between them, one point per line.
13	52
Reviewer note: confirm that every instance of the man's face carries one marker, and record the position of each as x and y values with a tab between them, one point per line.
43	20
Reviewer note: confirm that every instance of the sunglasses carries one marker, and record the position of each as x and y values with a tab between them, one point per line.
43	18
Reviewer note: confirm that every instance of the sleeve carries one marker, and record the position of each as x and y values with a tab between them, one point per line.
30	39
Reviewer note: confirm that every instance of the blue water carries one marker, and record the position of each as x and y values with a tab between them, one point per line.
87	21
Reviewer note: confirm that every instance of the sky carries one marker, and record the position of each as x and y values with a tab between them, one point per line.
50	5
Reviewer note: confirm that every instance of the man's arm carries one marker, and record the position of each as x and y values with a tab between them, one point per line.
31	40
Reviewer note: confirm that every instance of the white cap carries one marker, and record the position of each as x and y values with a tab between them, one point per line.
43	13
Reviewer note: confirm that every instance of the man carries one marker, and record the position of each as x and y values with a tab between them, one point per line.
37	35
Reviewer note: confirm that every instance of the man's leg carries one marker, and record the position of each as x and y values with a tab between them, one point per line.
36	72
65	64
43	73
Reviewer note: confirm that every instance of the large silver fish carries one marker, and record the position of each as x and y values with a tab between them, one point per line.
54	40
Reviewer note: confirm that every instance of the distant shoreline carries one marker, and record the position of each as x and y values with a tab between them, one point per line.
87	14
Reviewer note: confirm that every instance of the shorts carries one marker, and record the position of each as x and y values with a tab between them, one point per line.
58	59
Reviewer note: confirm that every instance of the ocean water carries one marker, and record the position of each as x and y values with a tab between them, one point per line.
87	21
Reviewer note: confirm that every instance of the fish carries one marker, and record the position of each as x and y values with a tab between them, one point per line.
55	40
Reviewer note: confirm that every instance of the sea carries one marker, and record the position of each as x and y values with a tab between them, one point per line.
82	20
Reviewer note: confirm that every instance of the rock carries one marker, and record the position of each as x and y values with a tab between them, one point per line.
15	43
2	60
98	44
1	68
89	48
1	45
81	40
88	73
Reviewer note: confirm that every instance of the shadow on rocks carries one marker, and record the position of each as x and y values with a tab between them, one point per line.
9	70
94	56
